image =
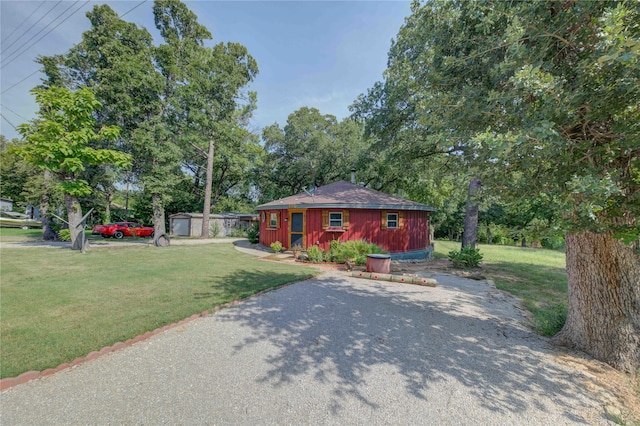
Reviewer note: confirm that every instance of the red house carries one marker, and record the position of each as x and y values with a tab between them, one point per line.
345	211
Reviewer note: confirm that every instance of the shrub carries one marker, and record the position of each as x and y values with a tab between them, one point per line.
64	234
468	257
214	229
253	233
276	246
315	254
237	232
356	251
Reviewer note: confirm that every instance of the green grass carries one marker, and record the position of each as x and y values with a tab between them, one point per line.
10	235
538	277
57	305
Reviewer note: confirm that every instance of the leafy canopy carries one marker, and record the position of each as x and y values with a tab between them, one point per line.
60	138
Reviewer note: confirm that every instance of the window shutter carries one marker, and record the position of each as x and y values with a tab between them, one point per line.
383	219
345	219
325	219
278	220
400	219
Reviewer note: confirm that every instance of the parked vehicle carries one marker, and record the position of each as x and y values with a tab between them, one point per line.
122	229
18	220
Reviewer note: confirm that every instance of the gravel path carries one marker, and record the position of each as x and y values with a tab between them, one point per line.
332	350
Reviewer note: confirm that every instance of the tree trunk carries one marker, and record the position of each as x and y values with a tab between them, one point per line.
74	215
158	214
603	311
206	209
488	234
470	233
160	238
523	243
48	233
107	209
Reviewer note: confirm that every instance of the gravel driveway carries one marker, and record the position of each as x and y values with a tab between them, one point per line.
332	350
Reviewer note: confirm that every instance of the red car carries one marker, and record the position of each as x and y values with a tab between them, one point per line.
121	229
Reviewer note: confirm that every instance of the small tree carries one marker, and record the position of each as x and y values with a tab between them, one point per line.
59	141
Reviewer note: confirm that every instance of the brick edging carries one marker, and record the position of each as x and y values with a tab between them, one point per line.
27	376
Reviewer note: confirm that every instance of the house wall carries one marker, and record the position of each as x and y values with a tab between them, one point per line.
269	234
363	225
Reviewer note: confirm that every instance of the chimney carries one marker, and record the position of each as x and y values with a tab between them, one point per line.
353	176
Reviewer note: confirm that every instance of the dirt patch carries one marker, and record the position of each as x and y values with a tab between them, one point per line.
619	392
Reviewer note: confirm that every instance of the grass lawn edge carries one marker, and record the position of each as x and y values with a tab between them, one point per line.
27	376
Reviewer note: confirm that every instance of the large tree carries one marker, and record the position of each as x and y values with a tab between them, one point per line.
547	94
313	149
214	108
60	141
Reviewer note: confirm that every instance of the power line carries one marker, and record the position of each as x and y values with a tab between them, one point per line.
10	123
15	84
133	8
41	30
47	33
33	25
25	20
9	109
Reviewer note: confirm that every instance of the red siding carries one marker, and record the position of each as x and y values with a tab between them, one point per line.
363	225
269	234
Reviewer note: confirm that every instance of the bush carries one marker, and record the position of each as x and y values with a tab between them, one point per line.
237	232
315	254
468	257
214	229
253	233
64	234
276	246
355	251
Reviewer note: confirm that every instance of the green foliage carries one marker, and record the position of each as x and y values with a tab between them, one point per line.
551	320
276	246
253	233
59	139
544	109
64	234
214	229
311	150
467	257
353	250
315	254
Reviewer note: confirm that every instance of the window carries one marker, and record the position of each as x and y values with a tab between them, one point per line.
273	220
335	220
392	220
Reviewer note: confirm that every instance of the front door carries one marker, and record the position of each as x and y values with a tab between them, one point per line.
296	230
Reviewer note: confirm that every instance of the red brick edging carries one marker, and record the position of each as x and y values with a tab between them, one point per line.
32	375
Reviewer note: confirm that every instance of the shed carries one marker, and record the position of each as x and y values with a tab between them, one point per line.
6	204
345	211
190	224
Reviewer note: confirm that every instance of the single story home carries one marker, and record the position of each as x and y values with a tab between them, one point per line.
190	224
345	211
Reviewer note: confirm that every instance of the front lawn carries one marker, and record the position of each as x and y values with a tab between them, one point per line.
57	305
536	276
11	235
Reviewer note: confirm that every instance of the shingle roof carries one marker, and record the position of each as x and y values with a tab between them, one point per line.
343	194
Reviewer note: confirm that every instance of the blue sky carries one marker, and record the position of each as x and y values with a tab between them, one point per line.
320	54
